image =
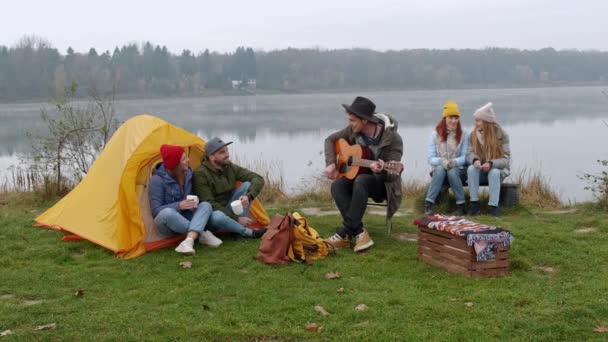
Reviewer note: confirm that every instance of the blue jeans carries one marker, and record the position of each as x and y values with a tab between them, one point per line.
493	178
455	177
220	221
170	221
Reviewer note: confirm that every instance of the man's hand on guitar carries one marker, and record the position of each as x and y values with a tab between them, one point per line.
331	172
377	166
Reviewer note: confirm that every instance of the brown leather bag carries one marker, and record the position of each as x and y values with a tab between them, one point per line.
276	241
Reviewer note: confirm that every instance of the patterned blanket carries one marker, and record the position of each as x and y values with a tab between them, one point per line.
485	239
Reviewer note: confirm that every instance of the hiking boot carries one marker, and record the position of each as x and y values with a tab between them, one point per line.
257	233
363	241
207	238
474	209
185	247
336	241
460	210
428	208
494	211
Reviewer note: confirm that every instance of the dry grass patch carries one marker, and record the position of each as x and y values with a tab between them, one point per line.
413	188
536	190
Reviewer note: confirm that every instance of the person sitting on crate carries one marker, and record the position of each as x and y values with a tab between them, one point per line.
368	152
447	149
489	155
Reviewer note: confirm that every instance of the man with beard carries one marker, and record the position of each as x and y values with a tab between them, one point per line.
214	182
378	133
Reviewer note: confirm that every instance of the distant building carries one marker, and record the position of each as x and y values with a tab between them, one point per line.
249	86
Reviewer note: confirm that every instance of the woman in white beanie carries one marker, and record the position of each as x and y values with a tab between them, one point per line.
447	148
489	155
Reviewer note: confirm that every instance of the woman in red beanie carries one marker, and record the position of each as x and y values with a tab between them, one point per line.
173	213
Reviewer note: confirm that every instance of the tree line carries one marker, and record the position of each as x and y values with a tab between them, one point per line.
34	69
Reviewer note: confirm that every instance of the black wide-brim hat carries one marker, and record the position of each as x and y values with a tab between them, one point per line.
363	108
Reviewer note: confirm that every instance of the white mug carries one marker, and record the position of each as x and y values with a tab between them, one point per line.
237	207
192	198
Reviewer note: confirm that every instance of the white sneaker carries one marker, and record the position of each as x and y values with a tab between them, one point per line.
185	247
207	238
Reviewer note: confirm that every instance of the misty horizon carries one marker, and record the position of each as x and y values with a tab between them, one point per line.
341	24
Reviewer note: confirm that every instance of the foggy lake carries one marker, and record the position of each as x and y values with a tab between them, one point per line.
560	132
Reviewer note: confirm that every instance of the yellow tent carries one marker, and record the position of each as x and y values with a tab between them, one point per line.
110	206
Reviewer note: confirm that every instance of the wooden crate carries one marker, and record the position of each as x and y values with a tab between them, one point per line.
452	254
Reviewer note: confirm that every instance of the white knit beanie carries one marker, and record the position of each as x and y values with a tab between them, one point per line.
485	113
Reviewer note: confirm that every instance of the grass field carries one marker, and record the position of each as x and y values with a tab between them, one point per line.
556	291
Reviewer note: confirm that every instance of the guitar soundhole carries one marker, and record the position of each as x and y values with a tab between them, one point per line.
349	161
343	168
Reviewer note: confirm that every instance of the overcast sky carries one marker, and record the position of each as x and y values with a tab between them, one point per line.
276	24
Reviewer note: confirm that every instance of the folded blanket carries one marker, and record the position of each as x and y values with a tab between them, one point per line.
485	239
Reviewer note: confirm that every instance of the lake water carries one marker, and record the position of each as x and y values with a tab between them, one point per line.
560	132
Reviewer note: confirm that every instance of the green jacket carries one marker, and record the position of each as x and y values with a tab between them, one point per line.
216	186
391	148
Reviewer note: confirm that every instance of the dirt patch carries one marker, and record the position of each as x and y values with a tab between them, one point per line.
32	302
319	212
406	237
546	269
584	230
559	212
7	296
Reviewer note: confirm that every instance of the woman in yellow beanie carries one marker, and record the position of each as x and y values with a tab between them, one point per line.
489	156
447	148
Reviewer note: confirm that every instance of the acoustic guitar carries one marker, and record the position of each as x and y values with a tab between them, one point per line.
353	160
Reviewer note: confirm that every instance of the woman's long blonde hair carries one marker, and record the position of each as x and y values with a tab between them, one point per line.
491	148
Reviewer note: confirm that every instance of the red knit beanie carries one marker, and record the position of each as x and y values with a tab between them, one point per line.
171	155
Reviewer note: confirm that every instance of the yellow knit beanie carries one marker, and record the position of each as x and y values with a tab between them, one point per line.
450	108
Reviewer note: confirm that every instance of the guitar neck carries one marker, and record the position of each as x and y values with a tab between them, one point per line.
362	162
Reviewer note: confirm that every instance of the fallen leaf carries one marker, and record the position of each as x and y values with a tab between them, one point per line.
311	327
340	290
6	333
46	327
361	307
468	304
79	293
186	264
333	275
601	329
321	310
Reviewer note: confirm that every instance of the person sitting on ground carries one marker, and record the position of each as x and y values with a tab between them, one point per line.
215	180
173	213
378	133
489	155
447	149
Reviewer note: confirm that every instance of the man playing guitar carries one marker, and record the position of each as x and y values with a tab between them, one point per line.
377	134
